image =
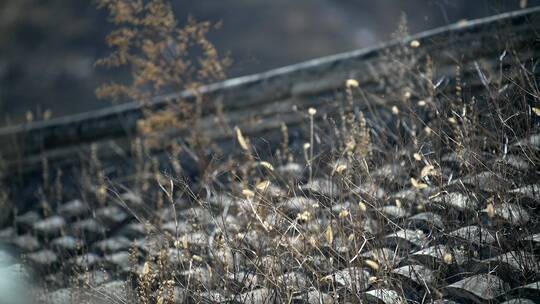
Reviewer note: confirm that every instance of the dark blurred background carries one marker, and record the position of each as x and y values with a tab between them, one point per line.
48	47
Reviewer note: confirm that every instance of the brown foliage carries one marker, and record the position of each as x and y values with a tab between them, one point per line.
162	57
158	52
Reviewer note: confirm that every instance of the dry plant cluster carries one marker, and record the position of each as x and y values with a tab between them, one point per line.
162	57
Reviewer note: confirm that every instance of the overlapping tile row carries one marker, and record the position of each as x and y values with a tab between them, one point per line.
453	243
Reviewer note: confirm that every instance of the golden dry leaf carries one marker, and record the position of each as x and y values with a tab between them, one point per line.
241	140
344	213
248	193
197	258
417	184
428	170
372	264
263	186
329	235
536	111
267	165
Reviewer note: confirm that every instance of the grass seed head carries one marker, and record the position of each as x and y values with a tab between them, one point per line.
241	140
372	264
415	44
490	210
263	186
351	83
448	259
248	193
344	213
329	235
417	184
362	206
266	165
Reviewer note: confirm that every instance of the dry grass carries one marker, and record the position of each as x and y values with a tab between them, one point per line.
332	222
331	227
261	224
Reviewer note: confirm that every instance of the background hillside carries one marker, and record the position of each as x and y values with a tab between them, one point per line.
48	47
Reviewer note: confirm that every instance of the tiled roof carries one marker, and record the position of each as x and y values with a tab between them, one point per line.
470	237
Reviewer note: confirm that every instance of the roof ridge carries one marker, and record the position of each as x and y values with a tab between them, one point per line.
247	91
